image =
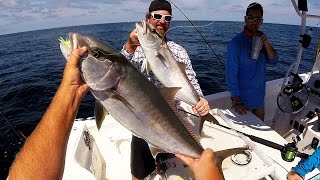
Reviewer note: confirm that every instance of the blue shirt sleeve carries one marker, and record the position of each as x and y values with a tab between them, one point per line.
309	164
232	64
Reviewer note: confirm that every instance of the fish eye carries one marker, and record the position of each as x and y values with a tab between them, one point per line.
101	55
96	53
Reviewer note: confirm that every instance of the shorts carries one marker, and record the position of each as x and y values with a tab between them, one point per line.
142	162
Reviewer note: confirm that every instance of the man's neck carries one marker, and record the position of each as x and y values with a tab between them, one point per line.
247	32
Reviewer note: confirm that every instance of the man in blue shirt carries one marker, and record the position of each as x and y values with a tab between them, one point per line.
246	77
305	166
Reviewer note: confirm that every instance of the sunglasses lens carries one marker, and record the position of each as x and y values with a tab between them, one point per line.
250	18
157	16
256	19
167	18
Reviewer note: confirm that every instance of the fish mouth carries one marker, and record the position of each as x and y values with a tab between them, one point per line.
95	68
142	27
74	41
94	65
68	45
77	41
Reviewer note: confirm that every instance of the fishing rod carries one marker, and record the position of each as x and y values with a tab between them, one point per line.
288	151
199	34
13	127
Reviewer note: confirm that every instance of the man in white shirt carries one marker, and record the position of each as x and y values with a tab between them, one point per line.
159	15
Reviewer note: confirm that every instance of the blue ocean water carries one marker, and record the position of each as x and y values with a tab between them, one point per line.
31	67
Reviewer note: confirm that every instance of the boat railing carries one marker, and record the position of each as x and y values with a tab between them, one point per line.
302	10
304	16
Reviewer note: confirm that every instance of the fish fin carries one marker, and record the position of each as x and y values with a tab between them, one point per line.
183	67
155	150
118	96
99	112
162	58
209	117
169	95
201	122
145	66
184	117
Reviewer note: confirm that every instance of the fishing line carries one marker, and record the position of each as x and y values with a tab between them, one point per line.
208	45
276	162
189	26
14	127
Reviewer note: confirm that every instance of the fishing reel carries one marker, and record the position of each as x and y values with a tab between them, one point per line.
294	96
290	151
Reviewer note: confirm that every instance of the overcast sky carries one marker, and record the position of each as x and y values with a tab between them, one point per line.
26	15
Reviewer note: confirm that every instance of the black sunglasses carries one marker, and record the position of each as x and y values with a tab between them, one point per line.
158	17
256	19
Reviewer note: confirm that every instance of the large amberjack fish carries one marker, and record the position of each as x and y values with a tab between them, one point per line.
162	63
132	99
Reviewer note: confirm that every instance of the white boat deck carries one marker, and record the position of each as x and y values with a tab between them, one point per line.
105	154
110	150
